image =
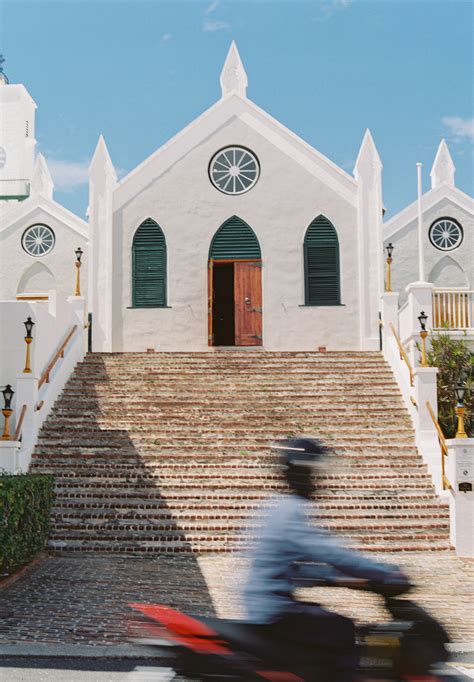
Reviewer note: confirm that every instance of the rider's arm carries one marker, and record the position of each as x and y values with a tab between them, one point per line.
316	544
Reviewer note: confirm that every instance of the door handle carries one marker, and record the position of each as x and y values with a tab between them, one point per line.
247	300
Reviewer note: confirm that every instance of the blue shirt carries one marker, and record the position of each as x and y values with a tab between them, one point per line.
284	537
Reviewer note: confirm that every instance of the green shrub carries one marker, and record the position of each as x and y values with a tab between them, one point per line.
455	363
25	508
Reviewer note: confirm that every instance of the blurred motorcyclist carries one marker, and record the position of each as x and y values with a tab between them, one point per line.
284	541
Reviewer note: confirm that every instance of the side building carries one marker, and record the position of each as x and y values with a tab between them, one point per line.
448	247
38	236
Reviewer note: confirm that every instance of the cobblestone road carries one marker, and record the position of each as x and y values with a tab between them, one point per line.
83	600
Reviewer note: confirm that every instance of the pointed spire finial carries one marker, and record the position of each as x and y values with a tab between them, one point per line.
443	168
42	182
368	157
233	77
101	160
3	76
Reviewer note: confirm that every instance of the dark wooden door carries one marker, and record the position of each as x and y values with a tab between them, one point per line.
248	303
210	300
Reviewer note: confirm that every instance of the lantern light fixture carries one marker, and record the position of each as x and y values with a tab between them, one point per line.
460	391
78	253
389	249
8	394
422	318
29	324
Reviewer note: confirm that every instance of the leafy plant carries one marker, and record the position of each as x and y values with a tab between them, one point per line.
455	363
25	508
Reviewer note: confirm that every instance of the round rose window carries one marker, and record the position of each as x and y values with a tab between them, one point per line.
234	170
38	240
446	234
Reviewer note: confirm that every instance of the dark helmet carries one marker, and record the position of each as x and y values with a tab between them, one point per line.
300	451
298	456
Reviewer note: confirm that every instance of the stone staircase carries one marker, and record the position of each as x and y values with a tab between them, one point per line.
168	452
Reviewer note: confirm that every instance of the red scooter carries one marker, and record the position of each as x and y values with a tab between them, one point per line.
410	648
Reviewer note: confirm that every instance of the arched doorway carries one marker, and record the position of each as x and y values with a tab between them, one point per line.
235	286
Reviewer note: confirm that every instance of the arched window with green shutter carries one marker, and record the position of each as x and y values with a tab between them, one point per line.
235	240
149	266
321	263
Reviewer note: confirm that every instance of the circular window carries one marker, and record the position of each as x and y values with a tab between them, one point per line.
234	170
446	234
38	240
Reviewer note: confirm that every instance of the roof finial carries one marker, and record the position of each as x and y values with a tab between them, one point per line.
3	76
443	167
233	76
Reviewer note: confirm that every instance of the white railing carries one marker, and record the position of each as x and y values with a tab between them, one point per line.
58	345
452	308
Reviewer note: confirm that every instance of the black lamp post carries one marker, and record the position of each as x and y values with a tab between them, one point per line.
460	390
389	249
78	253
8	394
422	318
29	324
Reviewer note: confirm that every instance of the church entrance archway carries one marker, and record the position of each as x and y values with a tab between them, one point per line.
235	286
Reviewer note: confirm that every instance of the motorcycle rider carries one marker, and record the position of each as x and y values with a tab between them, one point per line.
290	551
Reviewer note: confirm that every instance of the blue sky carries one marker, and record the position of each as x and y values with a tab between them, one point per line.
140	71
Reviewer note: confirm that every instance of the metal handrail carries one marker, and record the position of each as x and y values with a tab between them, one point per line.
20	423
403	353
59	354
444	448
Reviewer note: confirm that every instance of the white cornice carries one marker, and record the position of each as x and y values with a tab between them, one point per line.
428	200
227	108
35	203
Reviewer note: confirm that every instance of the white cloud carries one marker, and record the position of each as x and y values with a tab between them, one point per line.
460	128
212	7
327	8
165	38
209	26
69	175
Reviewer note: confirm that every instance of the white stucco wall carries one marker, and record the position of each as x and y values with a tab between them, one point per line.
405	254
16	109
15	262
53	320
279	209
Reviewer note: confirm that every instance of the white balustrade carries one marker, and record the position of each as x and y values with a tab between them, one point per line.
453	308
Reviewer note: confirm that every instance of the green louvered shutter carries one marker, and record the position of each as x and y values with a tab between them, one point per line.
321	260
234	240
149	266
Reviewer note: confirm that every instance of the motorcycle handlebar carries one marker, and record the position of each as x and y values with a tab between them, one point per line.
387	590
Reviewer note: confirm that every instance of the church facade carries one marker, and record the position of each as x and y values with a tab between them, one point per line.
235	233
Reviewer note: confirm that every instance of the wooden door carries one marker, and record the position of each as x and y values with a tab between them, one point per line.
248	303
210	297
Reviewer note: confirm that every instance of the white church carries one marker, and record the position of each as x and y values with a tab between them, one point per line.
234	233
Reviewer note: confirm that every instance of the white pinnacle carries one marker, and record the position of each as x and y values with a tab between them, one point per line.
41	181
233	76
368	157
443	167
101	160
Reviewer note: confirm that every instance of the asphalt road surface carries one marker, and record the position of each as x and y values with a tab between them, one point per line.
14	669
